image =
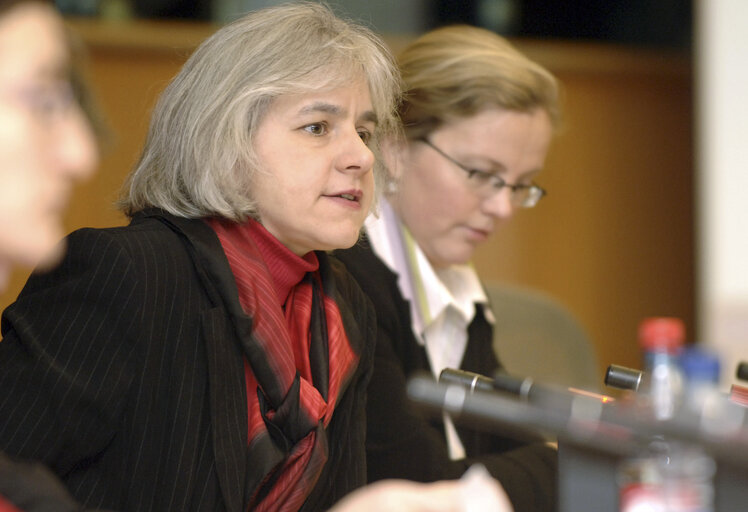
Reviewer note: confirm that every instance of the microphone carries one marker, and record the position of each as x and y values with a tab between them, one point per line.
738	393
469	380
621	377
524	388
742	371
475	383
581	420
575	417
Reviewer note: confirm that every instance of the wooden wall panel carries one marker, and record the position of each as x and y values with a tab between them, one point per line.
614	238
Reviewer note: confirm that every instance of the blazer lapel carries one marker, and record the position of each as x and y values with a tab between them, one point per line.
228	406
228	400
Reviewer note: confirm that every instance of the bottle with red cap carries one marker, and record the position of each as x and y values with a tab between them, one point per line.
661	339
665	476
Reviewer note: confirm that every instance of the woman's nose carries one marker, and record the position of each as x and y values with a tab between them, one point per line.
356	156
499	204
77	151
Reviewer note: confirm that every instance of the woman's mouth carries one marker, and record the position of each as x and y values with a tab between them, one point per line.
477	235
353	195
348	198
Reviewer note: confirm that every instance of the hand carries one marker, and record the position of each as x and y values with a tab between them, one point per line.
31	486
474	492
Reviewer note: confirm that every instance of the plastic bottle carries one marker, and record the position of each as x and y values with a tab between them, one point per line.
701	370
661	339
665	476
695	468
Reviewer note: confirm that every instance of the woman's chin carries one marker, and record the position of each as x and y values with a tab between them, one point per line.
343	239
42	251
52	256
41	257
4	274
451	258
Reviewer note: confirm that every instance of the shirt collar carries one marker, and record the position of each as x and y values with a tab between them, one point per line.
429	291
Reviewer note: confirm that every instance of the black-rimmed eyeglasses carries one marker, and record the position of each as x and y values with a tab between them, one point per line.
486	184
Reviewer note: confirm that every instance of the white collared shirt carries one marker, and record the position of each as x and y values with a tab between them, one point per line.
442	301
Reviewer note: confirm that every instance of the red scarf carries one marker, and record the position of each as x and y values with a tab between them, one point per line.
6	506
296	393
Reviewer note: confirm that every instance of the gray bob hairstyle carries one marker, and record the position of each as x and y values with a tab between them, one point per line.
198	159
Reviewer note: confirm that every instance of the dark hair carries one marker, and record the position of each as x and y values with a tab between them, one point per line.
6	5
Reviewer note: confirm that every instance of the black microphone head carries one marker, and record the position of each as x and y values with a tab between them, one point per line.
742	372
470	380
623	378
502	381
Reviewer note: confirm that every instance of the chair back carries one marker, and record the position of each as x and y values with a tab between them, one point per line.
537	336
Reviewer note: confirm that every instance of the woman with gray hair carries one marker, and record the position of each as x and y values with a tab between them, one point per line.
211	355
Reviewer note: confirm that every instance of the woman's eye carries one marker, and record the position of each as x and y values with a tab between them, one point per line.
316	128
365	136
480	176
49	102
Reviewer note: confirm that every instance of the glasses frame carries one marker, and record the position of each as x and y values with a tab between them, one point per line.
524	196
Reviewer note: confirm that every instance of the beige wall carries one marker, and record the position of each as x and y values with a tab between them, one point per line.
613	240
722	78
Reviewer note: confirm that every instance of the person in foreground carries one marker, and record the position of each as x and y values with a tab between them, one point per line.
478	119
46	145
210	355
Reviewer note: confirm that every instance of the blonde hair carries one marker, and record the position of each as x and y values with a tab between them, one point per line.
198	159
458	71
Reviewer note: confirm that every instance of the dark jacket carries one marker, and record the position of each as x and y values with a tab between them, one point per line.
31	487
122	371
401	441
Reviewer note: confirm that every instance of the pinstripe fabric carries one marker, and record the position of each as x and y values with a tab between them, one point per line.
31	487
121	370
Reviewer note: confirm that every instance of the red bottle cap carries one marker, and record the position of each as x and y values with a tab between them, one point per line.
661	333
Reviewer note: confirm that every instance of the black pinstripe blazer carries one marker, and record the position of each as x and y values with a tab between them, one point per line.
122	371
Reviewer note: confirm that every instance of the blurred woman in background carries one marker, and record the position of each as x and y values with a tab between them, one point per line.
478	117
